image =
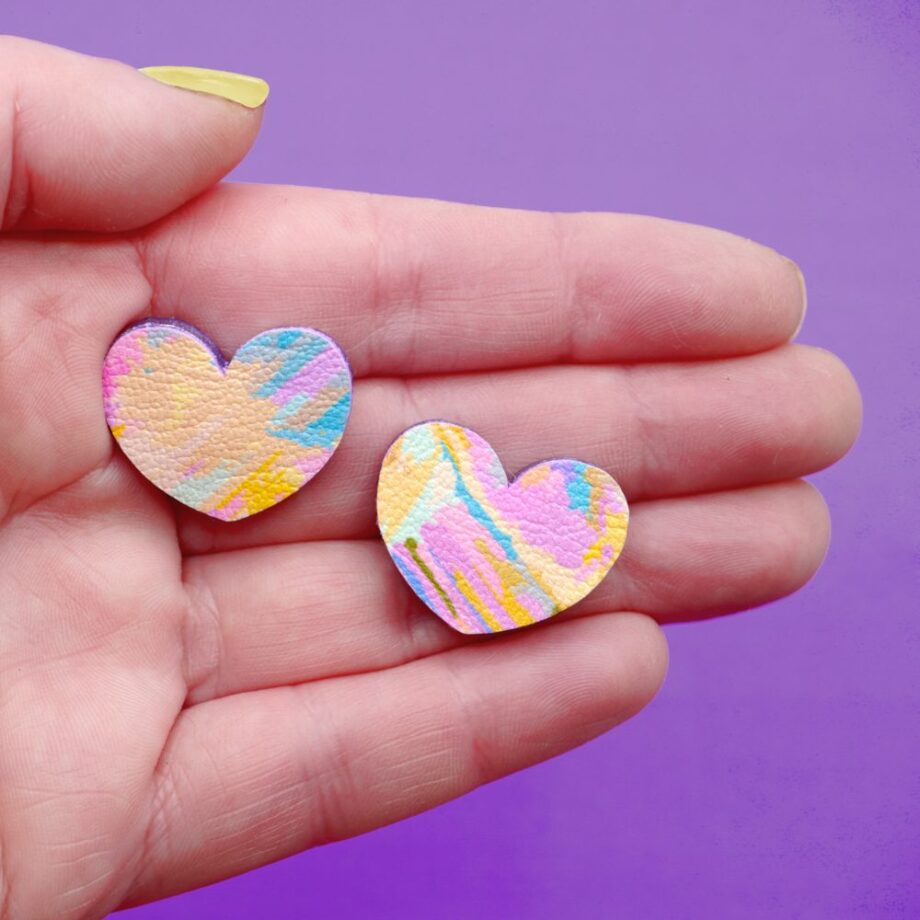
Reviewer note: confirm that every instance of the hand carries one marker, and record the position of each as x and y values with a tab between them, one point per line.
182	700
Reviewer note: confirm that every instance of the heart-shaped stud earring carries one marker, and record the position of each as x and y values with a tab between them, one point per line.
487	555
228	439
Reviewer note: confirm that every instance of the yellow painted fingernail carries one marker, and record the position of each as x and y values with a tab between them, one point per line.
237	87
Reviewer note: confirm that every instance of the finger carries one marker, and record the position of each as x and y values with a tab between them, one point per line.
93	144
279	615
658	429
249	779
410	286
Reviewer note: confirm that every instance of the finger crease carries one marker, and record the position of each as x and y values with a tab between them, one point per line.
139	248
477	760
18	198
644	435
202	640
567	294
336	787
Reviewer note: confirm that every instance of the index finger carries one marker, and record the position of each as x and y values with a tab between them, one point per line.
413	286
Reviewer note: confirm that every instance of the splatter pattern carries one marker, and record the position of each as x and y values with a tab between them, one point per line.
229	440
487	556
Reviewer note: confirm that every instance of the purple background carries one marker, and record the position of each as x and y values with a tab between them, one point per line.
777	773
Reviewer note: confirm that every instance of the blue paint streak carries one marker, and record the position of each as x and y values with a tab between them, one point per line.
290	408
478	512
414	583
287	338
578	489
300	357
322	432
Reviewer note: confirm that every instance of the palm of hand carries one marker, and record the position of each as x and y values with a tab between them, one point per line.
182	700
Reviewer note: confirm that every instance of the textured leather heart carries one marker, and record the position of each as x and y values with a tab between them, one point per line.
486	555
229	440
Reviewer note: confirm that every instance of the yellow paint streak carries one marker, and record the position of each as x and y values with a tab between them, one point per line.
467	590
509	577
444	432
505	571
118	430
259	490
614	537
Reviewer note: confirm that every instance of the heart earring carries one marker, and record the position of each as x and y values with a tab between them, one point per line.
487	555
233	438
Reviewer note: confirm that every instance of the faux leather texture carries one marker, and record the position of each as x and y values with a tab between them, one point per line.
486	555
228	440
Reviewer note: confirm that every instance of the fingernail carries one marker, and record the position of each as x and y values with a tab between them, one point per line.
237	87
804	290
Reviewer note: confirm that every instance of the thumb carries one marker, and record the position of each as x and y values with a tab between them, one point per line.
92	144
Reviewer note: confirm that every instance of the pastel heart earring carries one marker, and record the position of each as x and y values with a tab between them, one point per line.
487	555
233	438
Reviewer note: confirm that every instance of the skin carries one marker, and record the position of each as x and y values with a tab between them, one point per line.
182	700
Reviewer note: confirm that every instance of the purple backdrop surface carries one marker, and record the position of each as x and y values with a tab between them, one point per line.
777	773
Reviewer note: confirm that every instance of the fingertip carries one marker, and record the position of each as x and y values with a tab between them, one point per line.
629	653
783	293
650	660
841	407
772	292
789	542
813	536
703	291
